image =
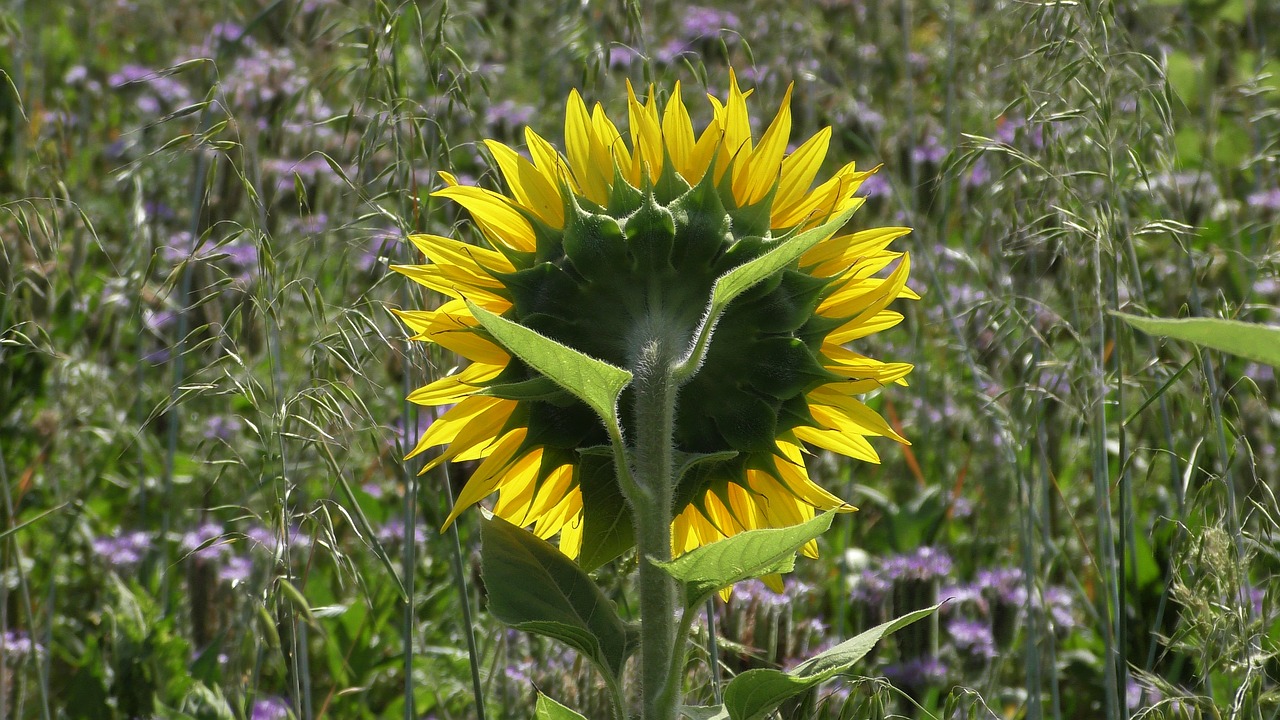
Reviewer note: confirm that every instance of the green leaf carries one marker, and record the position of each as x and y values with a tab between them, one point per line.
595	382
745	555
747	275
756	693
606	516
1252	341
538	388
533	587
704	712
548	709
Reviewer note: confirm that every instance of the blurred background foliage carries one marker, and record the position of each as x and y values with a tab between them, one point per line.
201	413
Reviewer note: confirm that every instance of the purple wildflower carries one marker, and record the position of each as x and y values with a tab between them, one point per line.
270	708
222	427
1139	694
75	75
17	645
379	244
979	175
924	563
917	673
757	593
875	186
206	541
699	23
508	114
962	595
1004	584
393	531
1061	607
929	152
269	540
157	320
870	587
973	637
1009	130
1260	373
236	569
123	550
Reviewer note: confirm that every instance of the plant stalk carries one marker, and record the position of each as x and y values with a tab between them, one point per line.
655	394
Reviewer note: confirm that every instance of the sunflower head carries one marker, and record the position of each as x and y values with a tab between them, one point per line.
615	245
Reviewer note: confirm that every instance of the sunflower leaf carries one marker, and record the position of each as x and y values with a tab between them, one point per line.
548	709
595	382
788	250
746	555
605	515
1252	341
704	712
756	693
749	274
533	587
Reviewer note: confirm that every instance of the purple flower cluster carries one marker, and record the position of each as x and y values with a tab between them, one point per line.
376	247
207	541
262	77
312	170
1010	130
393	531
508	115
222	427
240	256
270	708
929	152
917	672
17	645
1265	199
269	540
155	91
755	592
925	563
973	637
875	186
698	24
123	550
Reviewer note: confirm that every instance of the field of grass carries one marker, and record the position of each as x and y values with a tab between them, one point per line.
202	414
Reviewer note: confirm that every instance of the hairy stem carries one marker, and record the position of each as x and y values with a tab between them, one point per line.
655	391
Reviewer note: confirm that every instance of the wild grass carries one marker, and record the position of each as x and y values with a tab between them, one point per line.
199	204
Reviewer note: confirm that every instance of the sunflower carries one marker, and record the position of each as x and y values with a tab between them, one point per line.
615	240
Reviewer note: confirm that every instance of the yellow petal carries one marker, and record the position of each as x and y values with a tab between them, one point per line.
443	250
766	160
454	331
854	446
518	487
859	328
499	221
792	471
453	388
450	426
612	139
677	135
735	147
588	157
799	169
646	136
528	185
571	537
833	255
491	472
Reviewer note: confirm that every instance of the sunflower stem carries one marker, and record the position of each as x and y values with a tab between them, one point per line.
655	396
